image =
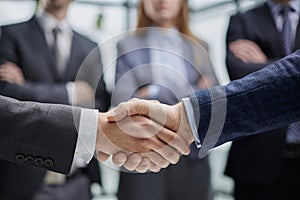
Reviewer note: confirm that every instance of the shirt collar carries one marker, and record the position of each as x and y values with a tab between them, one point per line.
48	22
276	7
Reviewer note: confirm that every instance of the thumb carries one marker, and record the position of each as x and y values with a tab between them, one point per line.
117	114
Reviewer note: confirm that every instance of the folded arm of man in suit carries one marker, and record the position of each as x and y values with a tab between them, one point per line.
80	92
244	56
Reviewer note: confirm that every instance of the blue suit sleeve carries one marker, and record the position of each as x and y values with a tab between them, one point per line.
261	101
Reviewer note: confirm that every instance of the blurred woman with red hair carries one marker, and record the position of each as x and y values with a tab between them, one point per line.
163	60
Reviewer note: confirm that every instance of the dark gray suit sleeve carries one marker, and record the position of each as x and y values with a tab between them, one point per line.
39	92
41	135
261	101
31	91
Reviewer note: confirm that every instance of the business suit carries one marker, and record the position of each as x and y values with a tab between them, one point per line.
256	162
134	70
43	82
31	134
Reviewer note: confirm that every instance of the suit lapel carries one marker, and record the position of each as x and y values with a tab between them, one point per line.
38	35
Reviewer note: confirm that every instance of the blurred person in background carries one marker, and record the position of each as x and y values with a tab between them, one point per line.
264	166
40	60
162	61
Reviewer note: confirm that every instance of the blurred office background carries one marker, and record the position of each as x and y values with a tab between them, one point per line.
104	20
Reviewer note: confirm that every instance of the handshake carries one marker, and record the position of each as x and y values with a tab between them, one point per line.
143	135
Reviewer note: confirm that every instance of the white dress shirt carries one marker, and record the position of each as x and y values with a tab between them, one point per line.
87	133
166	57
64	37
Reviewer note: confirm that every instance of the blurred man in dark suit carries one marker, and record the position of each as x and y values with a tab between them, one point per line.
40	60
264	166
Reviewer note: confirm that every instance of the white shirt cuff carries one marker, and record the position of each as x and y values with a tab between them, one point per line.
87	133
70	86
191	118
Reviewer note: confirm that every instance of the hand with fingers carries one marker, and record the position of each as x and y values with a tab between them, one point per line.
248	51
172	118
138	142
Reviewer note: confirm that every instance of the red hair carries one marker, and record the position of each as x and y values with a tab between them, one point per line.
182	22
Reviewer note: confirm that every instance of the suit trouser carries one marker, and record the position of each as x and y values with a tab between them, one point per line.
286	186
187	180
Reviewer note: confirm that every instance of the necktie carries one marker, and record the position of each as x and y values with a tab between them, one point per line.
54	48
293	134
286	32
56	51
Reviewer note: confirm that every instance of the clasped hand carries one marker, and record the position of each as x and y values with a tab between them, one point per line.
143	135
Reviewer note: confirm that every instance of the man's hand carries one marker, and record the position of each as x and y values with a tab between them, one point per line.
171	117
248	51
147	144
11	73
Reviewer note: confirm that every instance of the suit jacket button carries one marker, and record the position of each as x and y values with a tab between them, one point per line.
28	160
20	158
39	162
48	163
